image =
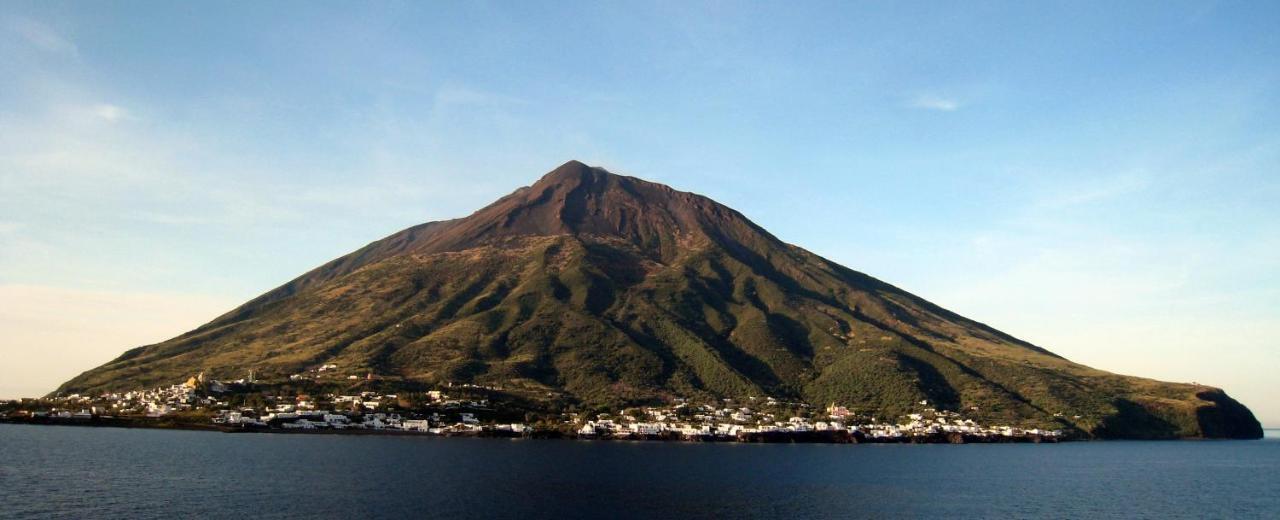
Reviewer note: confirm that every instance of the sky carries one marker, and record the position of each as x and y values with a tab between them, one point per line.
1101	179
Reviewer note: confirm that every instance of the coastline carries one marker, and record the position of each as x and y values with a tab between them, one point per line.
815	437
810	437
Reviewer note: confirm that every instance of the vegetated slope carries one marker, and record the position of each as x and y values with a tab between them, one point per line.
603	290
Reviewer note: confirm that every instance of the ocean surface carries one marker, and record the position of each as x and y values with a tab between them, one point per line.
79	472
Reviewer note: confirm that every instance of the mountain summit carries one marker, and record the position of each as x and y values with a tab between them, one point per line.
599	290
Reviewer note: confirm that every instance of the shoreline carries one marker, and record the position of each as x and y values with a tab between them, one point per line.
809	437
780	438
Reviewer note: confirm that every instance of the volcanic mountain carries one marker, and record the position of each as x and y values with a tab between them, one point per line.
602	291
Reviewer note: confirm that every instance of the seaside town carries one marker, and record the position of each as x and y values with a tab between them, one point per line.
245	405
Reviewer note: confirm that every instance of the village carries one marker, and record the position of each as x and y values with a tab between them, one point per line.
740	422
223	406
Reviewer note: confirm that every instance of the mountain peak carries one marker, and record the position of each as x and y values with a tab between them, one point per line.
576	198
574	173
577	179
570	169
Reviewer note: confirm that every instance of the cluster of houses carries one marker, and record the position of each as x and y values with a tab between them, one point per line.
201	393
359	411
157	402
435	423
327	371
707	422
362	413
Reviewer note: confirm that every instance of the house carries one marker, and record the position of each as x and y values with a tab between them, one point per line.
646	428
515	427
416	425
154	410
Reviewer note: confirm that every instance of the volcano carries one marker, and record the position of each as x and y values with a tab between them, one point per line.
601	290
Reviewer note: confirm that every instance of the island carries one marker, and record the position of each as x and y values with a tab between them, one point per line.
595	304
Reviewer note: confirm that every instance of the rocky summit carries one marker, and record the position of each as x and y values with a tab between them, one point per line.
597	291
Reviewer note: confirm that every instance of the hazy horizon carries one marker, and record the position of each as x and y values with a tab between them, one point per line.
1108	194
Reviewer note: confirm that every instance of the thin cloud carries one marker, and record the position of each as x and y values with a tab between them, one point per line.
462	96
110	112
1097	190
934	102
172	219
42	36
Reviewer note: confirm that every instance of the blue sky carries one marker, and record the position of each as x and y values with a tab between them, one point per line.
1101	180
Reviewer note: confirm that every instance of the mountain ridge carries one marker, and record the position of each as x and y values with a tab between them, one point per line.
604	290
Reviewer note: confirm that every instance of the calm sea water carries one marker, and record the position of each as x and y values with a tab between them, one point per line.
74	472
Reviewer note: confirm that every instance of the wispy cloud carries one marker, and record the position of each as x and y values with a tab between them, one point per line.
455	95
1094	191
171	219
109	112
935	102
41	36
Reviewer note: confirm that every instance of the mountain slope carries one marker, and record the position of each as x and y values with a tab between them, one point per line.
604	290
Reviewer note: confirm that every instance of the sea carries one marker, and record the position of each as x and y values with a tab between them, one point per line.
85	472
